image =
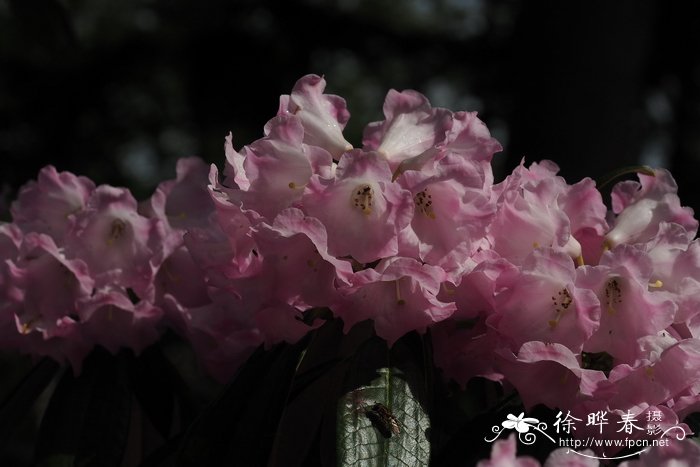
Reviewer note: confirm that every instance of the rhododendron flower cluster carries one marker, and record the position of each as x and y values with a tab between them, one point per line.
78	269
532	282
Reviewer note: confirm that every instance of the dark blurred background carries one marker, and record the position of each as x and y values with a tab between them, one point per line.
118	90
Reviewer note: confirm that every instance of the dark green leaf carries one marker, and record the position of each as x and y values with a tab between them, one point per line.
317	385
398	390
153	383
87	420
165	455
238	428
20	401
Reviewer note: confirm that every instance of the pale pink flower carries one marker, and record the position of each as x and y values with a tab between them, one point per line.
46	286
181	278
547	374
503	454
491	281
529	216
629	310
120	247
323	116
657	381
399	295
296	264
547	303
278	167
453	207
185	201
48	204
412	127
642	207
362	210
234	173
222	334
567	457
676	270
110	319
469	137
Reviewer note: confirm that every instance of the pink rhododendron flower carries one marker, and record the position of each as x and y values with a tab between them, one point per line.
469	137
566	457
490	281
49	285
547	374
399	295
362	209
629	311
583	205
10	240
110	319
118	245
181	278
323	116
654	383
232	225
528	214
529	282
411	128
503	454
39	291
279	166
453	208
642	207
183	202
222	339
48	204
235	176
296	262
547	304
676	270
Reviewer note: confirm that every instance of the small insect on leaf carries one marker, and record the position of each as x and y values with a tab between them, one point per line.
383	420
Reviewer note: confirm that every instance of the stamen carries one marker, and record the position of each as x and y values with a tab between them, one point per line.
561	302
399	300
656	284
613	295
294	186
26	328
116	230
424	203
362	198
579	260
448	289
